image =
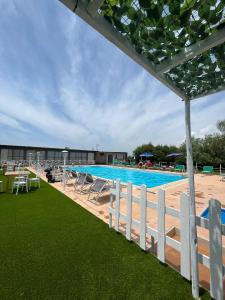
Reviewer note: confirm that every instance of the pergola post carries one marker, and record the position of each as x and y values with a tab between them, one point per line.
192	212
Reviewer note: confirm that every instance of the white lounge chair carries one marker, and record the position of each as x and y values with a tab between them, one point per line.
57	175
68	177
83	179
74	174
96	188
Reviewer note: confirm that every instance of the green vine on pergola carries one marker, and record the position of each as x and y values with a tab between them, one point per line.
159	30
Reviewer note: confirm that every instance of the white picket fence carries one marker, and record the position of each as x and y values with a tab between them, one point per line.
216	230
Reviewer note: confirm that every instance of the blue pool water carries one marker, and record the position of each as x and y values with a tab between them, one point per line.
205	214
137	177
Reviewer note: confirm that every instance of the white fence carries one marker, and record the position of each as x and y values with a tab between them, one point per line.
216	230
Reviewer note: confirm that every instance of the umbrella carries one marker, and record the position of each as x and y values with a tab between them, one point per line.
174	154
146	154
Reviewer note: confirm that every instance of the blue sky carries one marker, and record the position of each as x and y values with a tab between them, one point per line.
62	84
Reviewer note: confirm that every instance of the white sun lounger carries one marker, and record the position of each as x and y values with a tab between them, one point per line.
82	180
97	188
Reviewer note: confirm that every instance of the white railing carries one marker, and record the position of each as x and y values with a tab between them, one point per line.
158	235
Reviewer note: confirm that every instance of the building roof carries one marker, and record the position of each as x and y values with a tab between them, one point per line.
56	149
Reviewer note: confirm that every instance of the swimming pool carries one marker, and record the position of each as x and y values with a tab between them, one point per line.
137	177
205	214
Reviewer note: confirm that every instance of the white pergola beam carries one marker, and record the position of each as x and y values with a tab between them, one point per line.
192	51
93	6
110	33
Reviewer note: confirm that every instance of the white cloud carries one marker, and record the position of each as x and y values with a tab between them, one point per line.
10	122
37	116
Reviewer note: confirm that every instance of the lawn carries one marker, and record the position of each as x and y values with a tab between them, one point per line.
51	248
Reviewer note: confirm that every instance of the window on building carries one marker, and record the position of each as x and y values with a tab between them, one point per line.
119	156
4	154
15	154
10	154
84	156
72	155
51	155
91	156
58	155
78	156
42	155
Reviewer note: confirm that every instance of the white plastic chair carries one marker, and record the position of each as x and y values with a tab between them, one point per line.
9	169
36	180
20	182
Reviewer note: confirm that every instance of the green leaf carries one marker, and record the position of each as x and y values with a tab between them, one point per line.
154	12
132	14
144	34
174	7
185	17
204	11
144	4
113	2
188	4
214	17
132	28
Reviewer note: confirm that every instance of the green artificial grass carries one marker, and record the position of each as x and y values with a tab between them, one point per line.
51	248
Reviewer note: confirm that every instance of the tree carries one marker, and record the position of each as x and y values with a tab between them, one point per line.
209	150
221	126
160	151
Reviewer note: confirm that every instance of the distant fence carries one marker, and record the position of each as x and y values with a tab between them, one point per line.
47	162
158	236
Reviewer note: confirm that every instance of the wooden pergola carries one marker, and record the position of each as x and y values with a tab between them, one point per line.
179	42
